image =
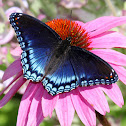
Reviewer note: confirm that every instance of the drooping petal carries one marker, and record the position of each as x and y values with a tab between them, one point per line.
25	104
6	38
35	115
114	93
12	91
84	110
111	56
48	103
39	114
121	71
64	109
103	24
12	10
13	69
16	77
114	39
95	96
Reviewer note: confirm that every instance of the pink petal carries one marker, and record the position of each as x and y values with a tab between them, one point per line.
26	103
12	91
121	72
73	3
1	3
103	24
39	114
13	69
84	110
7	38
114	93
114	39
48	103
4	50
12	10
35	115
26	4
10	34
17	76
41	16
111	56
17	51
64	109
95	96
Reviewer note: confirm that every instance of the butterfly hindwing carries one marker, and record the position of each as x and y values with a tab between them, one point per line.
91	69
62	80
80	68
36	40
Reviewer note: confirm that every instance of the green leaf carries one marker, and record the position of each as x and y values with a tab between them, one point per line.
3	67
9	57
123	121
8	114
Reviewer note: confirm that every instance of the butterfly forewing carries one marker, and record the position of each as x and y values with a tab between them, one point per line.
36	40
32	33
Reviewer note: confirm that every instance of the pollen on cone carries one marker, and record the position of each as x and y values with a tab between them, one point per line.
66	28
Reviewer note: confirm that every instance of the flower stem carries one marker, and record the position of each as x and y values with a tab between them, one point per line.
111	7
102	119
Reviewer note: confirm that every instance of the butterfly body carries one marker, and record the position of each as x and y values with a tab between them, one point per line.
60	66
58	54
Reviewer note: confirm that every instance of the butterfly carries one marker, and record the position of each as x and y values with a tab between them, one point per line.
60	66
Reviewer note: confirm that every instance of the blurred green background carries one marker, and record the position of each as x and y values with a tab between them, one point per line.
83	10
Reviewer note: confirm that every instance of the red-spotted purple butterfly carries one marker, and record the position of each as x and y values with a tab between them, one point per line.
60	66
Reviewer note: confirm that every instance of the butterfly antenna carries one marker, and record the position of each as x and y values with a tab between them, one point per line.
71	13
70	23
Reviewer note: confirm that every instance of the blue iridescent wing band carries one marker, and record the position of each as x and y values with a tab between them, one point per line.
80	68
36	40
62	80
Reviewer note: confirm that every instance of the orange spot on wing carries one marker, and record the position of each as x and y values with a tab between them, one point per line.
111	76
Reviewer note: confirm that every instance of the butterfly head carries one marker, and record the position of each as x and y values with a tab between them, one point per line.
69	39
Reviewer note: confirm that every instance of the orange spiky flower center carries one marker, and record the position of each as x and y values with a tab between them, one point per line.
66	28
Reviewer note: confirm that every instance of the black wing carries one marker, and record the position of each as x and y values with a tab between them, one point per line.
36	40
80	68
